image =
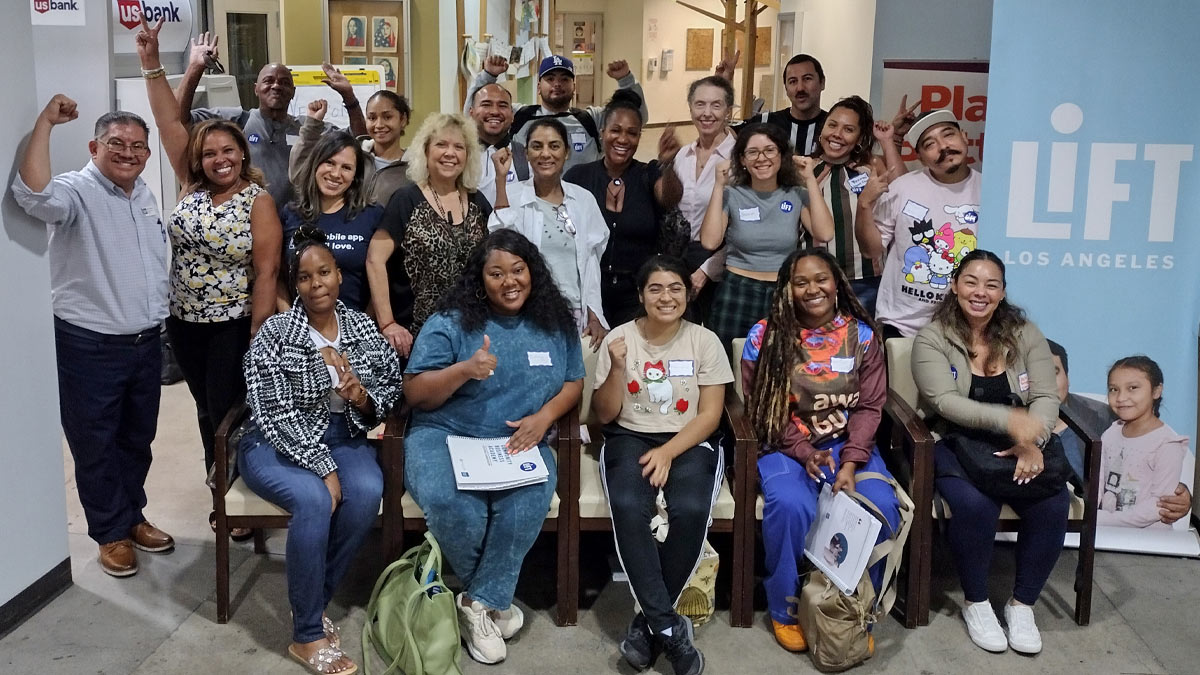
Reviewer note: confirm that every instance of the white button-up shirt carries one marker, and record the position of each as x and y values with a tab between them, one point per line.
697	191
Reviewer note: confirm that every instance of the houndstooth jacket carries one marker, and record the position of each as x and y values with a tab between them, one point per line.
287	383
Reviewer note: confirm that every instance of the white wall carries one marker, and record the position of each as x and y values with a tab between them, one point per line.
945	30
33	516
839	33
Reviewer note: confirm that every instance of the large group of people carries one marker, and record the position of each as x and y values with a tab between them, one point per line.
325	280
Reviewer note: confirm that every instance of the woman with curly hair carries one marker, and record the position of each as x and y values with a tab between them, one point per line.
331	196
969	363
848	168
319	377
428	229
225	250
816	382
760	210
501	357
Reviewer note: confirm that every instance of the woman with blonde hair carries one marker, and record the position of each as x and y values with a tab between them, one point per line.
428	229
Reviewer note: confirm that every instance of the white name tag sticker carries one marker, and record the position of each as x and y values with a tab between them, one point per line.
857	183
915	211
539	359
147	210
749	215
293	139
578	140
685	368
1023	381
841	364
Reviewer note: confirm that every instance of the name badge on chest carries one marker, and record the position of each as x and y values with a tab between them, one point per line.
539	359
749	215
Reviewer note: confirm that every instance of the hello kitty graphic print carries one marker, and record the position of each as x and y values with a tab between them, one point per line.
927	228
661	383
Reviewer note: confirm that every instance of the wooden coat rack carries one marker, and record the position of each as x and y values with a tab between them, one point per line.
748	26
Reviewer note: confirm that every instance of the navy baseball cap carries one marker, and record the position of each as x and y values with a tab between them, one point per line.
556	62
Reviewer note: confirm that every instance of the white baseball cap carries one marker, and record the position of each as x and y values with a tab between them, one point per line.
927	120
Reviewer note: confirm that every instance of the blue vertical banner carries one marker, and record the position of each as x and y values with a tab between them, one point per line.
1091	184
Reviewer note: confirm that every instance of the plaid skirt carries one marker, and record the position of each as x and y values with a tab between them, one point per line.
740	303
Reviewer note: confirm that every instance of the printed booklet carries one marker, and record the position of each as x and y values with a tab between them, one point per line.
484	464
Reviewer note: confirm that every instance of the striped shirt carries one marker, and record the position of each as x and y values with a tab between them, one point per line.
108	251
843	204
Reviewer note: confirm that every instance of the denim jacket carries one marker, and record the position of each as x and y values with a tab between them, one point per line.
287	383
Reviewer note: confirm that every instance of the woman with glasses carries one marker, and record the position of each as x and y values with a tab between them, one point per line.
561	219
225	245
633	197
428	229
710	100
760	211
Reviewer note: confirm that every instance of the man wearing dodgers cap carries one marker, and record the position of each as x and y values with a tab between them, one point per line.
925	221
556	87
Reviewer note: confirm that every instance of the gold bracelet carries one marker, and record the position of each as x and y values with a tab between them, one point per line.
154	73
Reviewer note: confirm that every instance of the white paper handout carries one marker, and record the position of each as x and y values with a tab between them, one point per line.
484	464
841	539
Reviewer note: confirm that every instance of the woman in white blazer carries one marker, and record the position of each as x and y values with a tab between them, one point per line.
561	219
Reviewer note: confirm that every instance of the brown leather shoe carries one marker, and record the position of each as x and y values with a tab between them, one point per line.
118	558
149	538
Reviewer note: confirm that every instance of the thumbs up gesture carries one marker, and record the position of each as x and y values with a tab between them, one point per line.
482	363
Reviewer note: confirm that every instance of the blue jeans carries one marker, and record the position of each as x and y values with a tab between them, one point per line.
483	534
108	395
320	545
789	508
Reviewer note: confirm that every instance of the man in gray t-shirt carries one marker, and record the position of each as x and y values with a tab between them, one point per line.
269	129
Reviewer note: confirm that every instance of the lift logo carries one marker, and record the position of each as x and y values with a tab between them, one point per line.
129	13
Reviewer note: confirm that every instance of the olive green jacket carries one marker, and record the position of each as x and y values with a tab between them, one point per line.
941	369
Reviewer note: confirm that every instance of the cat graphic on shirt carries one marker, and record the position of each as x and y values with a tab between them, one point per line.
658	387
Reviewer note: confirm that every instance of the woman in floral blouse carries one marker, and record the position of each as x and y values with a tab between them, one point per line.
225	243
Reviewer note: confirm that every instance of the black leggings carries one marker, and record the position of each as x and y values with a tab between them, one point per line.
210	356
657	572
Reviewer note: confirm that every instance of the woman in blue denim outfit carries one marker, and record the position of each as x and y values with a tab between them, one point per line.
501	357
318	378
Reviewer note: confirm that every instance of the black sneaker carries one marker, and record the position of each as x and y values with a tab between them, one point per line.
638	644
678	647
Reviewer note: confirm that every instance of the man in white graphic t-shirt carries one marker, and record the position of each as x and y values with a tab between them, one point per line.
925	221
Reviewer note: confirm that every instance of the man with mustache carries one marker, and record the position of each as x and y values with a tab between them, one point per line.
943	196
269	128
803	82
556	87
491	108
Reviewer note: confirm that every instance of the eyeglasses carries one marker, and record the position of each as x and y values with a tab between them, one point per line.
565	218
118	146
769	152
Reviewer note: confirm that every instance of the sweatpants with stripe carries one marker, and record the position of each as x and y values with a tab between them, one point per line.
658	572
789	509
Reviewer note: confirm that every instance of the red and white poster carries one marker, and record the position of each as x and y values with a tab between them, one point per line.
176	16
960	86
57	12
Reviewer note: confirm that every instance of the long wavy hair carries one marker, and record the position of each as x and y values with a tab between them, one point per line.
1001	333
767	402
195	178
864	148
434	124
788	176
308	196
545	307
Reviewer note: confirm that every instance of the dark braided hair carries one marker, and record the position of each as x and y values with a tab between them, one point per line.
1001	332
308	236
1147	366
768	399
623	99
545	307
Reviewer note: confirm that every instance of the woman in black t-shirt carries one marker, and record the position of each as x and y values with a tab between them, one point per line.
633	196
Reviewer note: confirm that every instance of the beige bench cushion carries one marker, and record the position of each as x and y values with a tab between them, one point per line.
1006	512
593	504
241	501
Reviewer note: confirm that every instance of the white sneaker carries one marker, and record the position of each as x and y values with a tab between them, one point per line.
1023	635
508	621
483	639
983	627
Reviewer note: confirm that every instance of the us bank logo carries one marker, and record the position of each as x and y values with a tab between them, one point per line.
1145	175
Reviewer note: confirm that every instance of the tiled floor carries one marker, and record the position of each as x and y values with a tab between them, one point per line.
162	621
